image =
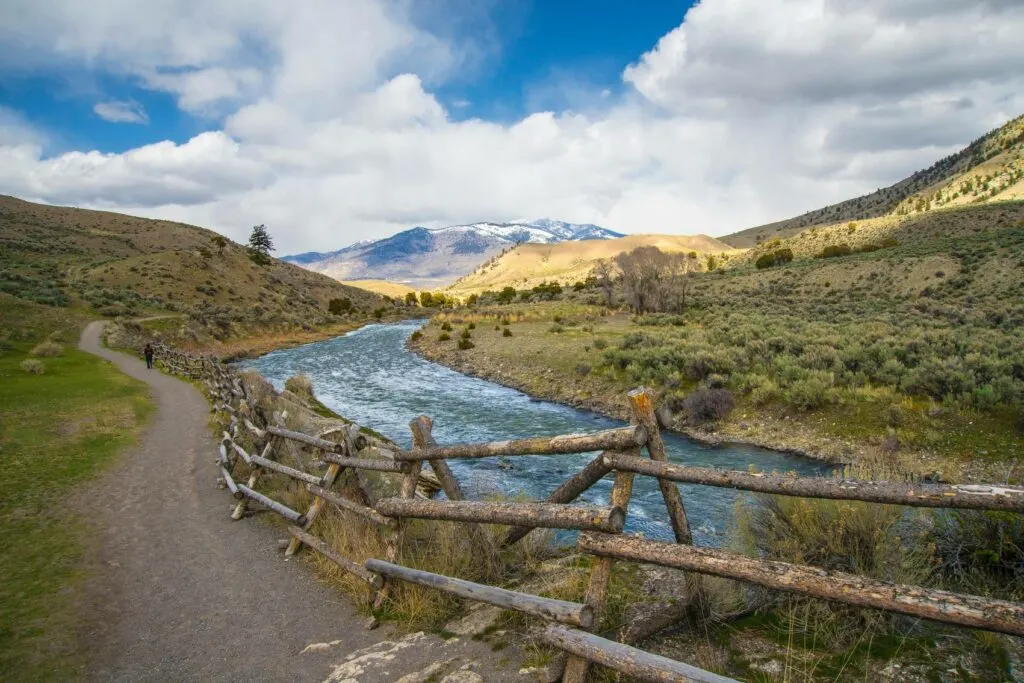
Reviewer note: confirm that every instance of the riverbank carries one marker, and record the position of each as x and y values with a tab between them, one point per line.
564	362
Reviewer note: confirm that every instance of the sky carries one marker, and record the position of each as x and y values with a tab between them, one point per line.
333	121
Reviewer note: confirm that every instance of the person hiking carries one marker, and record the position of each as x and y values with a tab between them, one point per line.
148	351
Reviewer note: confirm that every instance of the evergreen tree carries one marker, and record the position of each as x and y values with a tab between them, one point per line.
260	245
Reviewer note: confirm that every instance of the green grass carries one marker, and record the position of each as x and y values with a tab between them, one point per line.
57	430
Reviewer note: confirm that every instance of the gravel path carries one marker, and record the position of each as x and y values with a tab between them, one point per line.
179	592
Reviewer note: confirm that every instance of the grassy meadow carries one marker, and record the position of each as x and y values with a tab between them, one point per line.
58	428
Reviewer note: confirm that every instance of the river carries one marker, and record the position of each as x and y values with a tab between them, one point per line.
370	377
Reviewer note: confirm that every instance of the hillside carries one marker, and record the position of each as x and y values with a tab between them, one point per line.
395	290
121	264
990	169
529	264
429	259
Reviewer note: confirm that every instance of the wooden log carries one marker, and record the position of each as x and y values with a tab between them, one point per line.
953	608
367	463
576	668
569	491
315	507
375	580
324	444
393	543
547	608
642	408
546	515
352	506
449	484
222	456
635	663
289	471
917	494
611	439
256	431
232	486
254	476
279	508
246	458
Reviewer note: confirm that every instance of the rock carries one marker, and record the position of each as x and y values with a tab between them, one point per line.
463	676
479	620
282	543
431	672
371	623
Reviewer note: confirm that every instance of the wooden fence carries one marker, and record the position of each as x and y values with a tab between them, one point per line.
571	626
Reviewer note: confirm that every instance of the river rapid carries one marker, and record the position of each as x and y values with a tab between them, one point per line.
369	376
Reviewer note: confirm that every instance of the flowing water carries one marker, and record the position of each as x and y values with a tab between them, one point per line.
370	377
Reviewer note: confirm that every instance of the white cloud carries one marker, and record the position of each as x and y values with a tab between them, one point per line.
751	110
121	112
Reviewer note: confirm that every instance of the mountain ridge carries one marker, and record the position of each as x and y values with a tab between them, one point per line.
434	257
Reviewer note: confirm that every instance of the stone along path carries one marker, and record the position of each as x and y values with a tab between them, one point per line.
179	592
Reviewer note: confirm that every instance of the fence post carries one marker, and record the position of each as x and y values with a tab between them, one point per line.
642	408
420	428
576	668
333	470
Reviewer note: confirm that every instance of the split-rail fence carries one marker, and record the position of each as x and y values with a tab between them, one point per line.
570	626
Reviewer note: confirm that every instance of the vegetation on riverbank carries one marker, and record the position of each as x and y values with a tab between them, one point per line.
59	427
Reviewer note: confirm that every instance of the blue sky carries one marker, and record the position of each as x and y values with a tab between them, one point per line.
333	122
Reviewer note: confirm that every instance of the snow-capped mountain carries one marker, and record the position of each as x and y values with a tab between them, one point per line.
428	258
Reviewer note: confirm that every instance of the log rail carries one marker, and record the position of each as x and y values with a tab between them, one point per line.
621	452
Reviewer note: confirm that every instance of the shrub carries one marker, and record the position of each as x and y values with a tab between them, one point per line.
465	334
446	326
600	344
809	393
583	369
506	332
465	344
705	406
556	328
444	336
471	326
339	306
416	336
32	366
47	349
774	258
299	384
835	250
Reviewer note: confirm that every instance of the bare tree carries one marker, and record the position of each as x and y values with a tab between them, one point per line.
603	273
654	280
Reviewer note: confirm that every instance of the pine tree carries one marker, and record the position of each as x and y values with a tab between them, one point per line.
260	245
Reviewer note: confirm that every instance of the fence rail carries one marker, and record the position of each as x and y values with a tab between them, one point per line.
601	527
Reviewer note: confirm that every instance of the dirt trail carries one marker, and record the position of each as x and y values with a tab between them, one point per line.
179	592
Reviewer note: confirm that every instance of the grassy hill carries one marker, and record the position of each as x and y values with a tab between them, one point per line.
528	265
124	265
395	290
990	169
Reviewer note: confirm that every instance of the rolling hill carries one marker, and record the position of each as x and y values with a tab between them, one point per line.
529	264
427	259
990	169
120	264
